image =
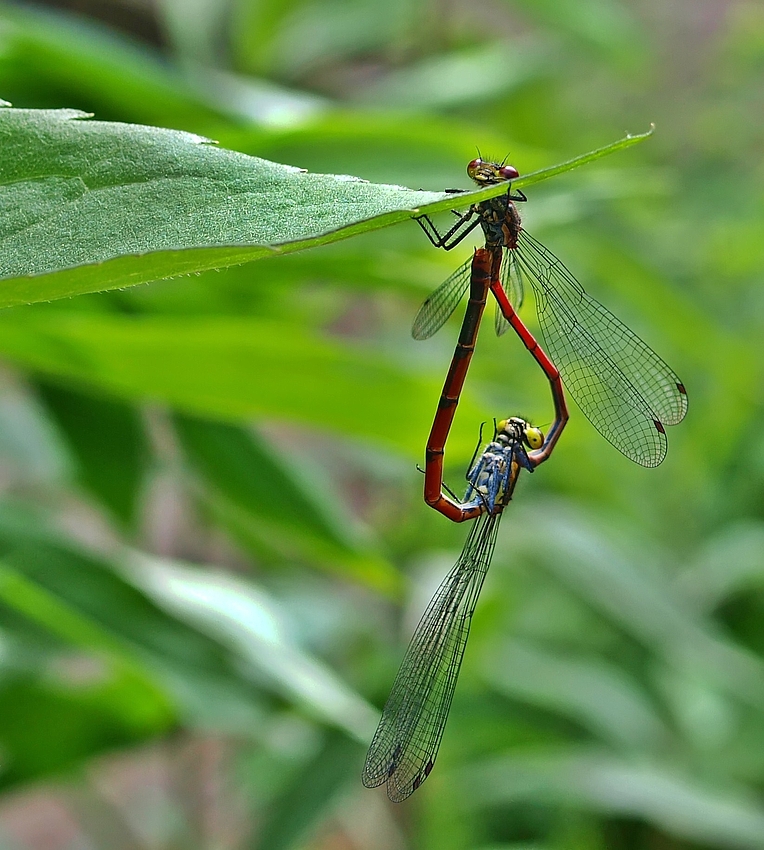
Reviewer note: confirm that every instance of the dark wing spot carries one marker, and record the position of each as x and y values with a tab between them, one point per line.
428	768
681	389
416	783
659	426
394	761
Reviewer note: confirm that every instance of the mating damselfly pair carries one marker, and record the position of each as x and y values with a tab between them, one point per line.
626	391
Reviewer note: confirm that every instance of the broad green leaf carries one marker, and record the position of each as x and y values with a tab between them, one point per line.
79	192
235	369
88	206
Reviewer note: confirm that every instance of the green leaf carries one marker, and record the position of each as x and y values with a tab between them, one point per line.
302	803
258	496
54	722
569	164
107	438
235	369
598	696
615	581
88	206
122	704
56	597
52	58
682	804
246	619
60	618
78	192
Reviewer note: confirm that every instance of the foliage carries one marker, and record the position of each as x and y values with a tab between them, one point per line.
212	541
90	206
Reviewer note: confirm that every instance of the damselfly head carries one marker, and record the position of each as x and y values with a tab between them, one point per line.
489	173
514	427
519	430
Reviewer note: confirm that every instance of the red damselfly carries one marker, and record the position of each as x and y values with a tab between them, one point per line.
405	745
625	390
484	275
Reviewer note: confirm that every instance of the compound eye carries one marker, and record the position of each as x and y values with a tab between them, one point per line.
534	437
509	172
474	166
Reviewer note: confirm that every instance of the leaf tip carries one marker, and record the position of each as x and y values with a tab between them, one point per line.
645	135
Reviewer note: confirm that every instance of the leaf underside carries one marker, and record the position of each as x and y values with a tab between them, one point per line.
87	206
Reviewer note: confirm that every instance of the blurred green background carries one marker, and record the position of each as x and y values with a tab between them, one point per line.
202	612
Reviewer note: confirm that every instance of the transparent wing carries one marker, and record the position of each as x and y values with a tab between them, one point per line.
435	311
625	390
406	742
512	284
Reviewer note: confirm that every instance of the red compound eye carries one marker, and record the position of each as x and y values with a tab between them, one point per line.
509	172
473	166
